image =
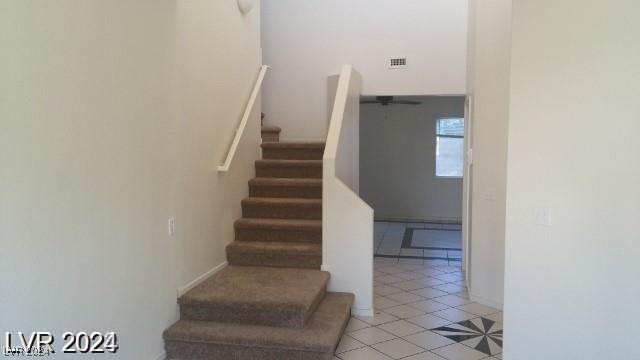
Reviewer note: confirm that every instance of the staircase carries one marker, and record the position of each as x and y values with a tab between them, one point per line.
271	301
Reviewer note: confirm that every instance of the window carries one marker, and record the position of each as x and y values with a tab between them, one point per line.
450	147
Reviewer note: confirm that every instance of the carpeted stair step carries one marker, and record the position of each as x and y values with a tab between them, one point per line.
202	340
305	169
307	150
286	188
256	296
275	254
279	230
282	208
271	133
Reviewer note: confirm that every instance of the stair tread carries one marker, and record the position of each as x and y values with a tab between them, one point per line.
265	181
321	334
294	145
262	247
267	128
260	288
300	224
282	201
284	162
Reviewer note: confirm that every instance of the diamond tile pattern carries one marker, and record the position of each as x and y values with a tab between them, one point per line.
423	312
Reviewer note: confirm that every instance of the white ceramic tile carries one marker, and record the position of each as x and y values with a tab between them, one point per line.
381	302
454	315
411	252
397	348
427	355
355	324
450	288
389	279
449	277
459	352
388	250
405	297
404	311
347	343
385	290
410	261
478	309
428	306
401	328
366	353
428	340
391	269
497	317
452	300
378	318
429	293
371	335
430	281
429	321
410	285
410	275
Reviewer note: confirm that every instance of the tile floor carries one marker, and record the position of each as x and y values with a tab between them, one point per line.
423	312
426	240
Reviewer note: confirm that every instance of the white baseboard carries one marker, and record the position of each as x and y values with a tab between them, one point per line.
183	290
361	312
162	356
486	302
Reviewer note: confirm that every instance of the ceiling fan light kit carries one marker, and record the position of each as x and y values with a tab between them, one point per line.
388	100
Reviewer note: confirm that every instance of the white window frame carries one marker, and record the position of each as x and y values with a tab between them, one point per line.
435	157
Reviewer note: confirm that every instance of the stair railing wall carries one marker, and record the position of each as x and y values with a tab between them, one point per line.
251	111
347	221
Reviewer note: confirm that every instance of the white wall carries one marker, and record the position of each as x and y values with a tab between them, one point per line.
307	41
113	118
397	160
572	284
489	59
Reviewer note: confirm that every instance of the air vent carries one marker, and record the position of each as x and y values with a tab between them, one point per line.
398	63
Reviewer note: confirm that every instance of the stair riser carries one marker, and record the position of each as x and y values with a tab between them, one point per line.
201	351
270	137
268	235
292	154
250	316
306	192
301	172
273	260
281	211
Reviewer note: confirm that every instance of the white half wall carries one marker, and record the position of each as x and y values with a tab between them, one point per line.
573	195
307	41
113	118
488	81
397	160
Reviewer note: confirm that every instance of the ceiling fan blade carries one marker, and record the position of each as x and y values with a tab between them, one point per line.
406	102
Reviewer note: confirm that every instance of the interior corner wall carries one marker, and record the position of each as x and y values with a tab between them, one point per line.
488	81
397	161
113	118
307	41
573	173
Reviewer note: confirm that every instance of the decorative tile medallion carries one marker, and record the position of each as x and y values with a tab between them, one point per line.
481	334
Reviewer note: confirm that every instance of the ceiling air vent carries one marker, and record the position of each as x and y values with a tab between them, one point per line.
398	63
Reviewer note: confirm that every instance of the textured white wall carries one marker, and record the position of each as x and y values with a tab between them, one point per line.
489	60
113	118
572	237
397	160
307	41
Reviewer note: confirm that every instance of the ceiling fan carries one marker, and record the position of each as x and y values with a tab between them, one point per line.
386	100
